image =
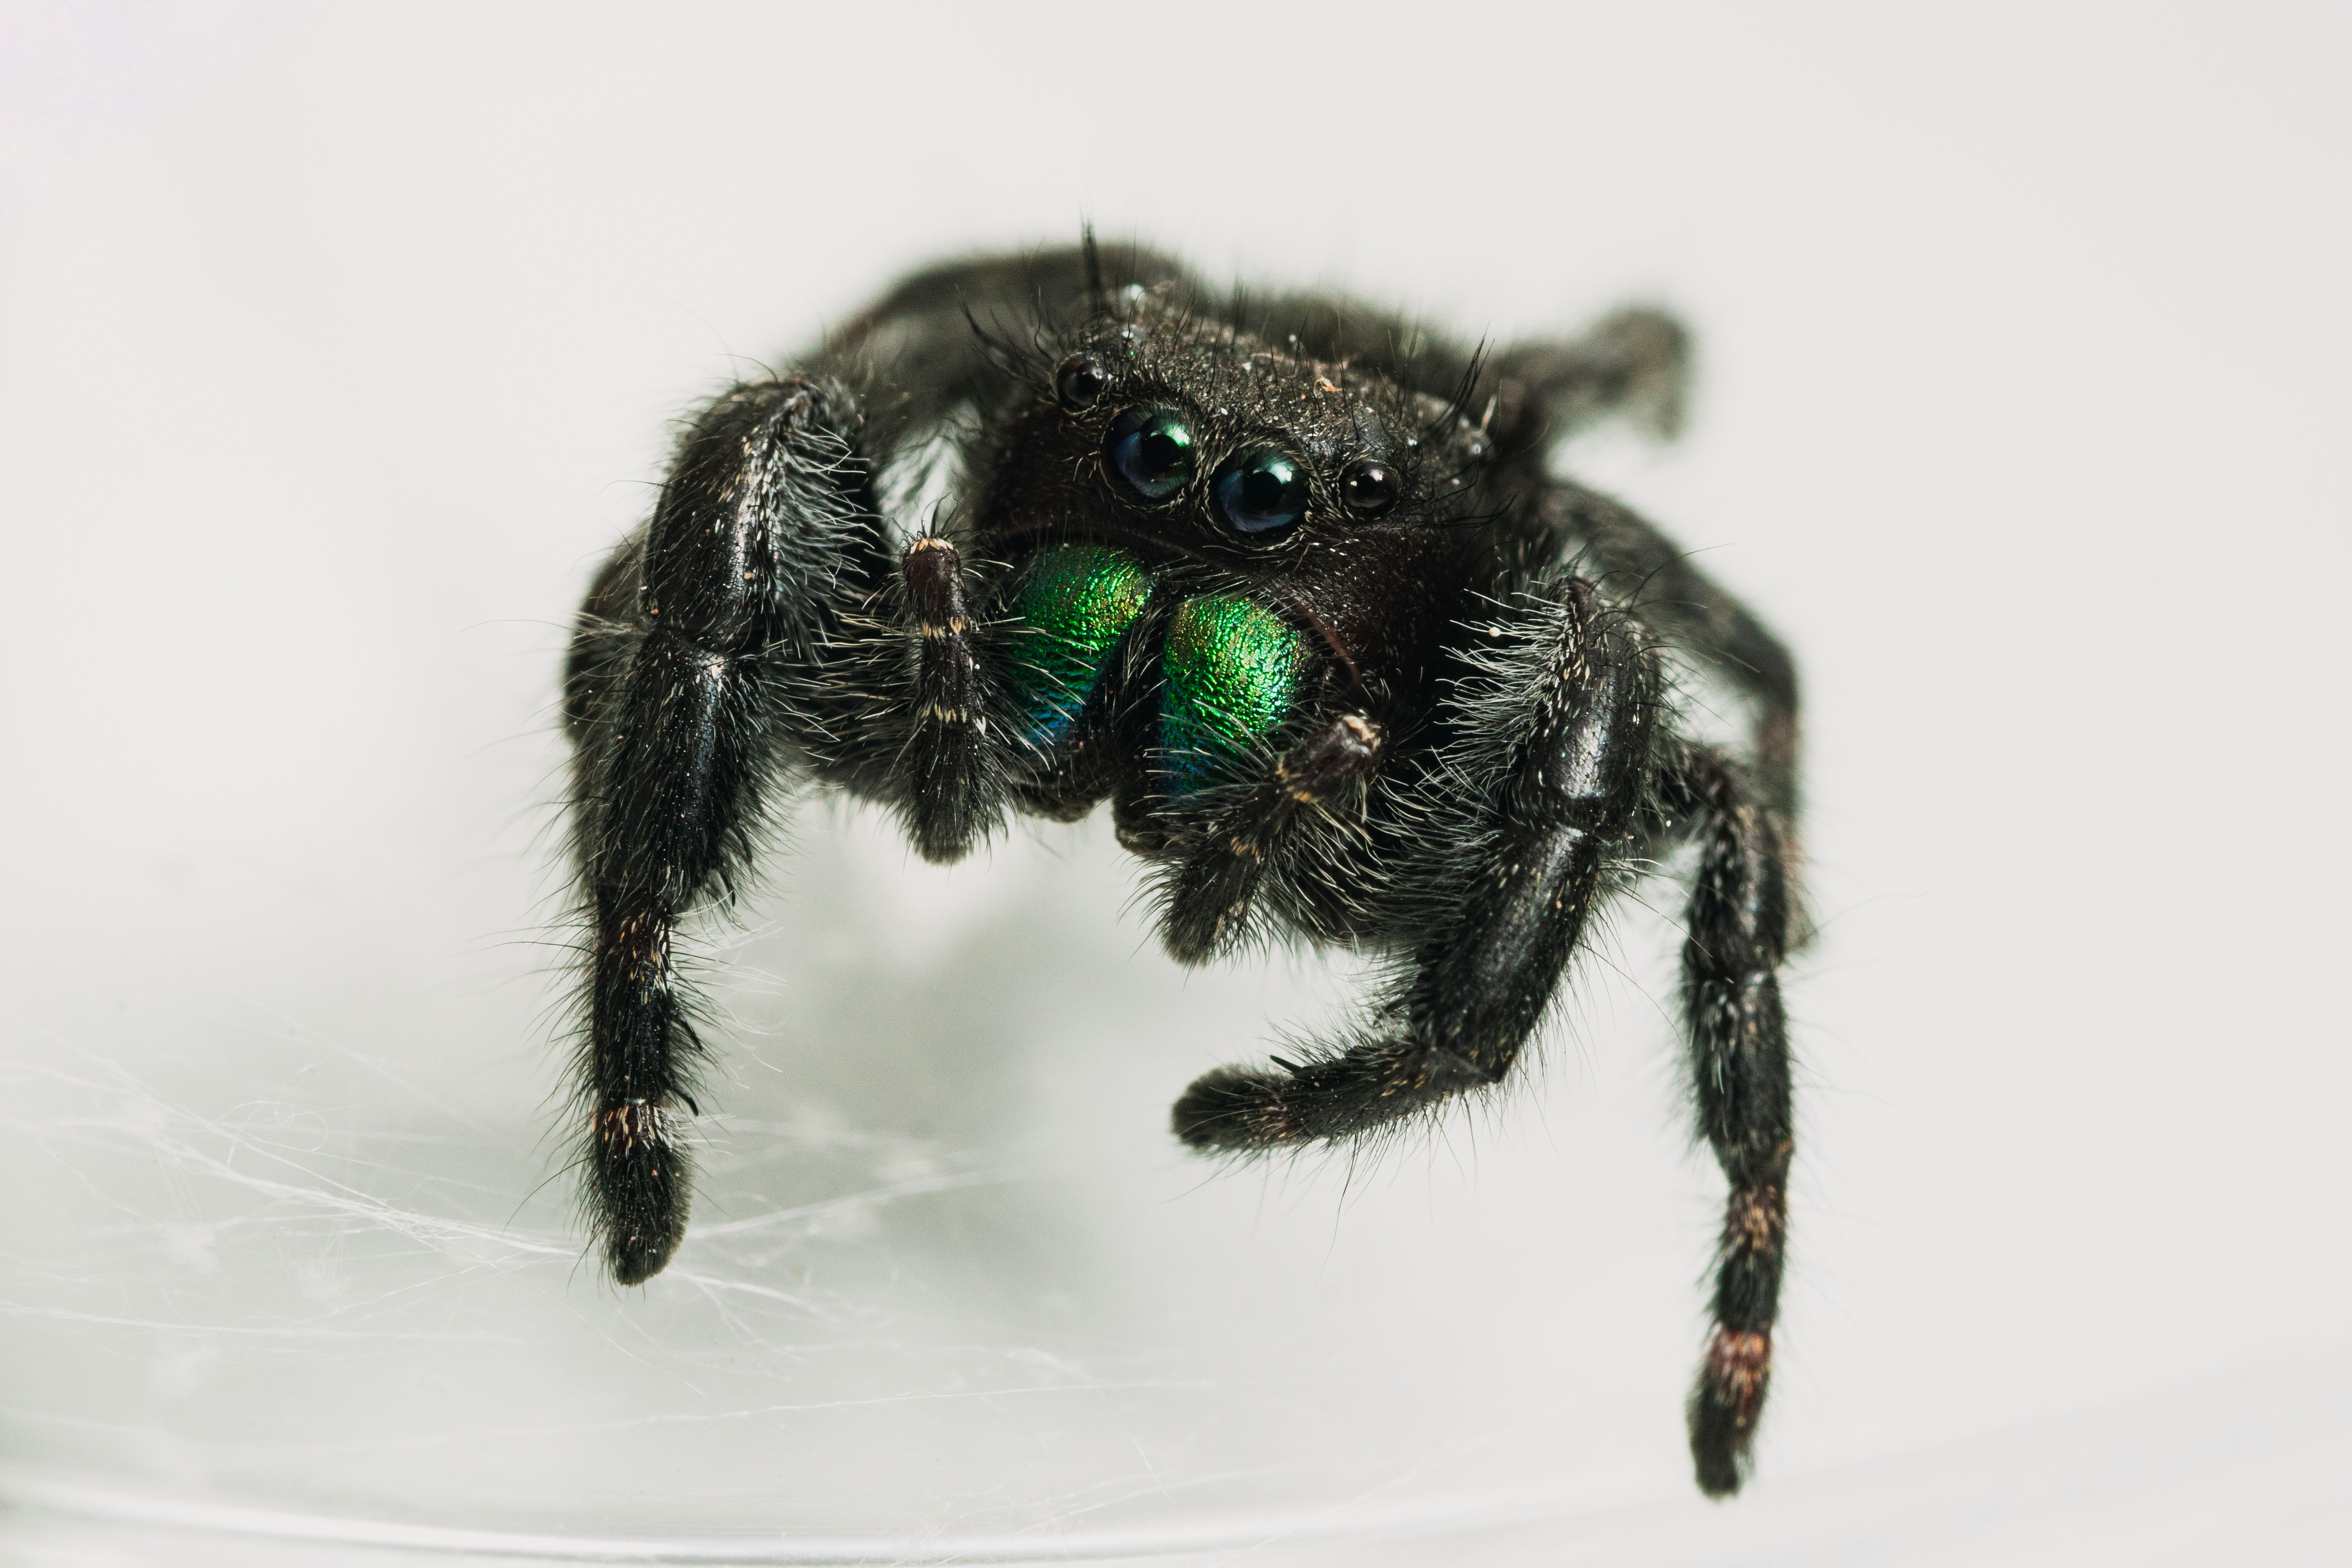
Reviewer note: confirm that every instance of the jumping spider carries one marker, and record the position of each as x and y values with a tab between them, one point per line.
1287	582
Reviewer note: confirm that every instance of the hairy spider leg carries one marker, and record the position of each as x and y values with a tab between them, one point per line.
1739	934
1569	714
683	711
1633	361
1634	556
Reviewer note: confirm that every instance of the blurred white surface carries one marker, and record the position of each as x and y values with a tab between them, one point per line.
334	350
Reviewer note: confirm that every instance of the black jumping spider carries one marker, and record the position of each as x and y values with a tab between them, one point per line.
1285	580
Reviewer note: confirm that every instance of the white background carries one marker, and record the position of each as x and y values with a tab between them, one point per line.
336	346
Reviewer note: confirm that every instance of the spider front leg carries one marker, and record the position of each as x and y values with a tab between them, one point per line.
1739	934
1635	556
1561	723
682	698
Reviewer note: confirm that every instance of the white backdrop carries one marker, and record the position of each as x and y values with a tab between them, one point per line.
337	345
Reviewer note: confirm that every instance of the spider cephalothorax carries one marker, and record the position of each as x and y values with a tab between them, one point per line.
1284	581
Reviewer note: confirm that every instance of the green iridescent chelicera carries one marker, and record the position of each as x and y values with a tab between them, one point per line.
1230	668
1076	602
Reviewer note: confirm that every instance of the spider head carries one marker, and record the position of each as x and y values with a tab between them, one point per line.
1191	439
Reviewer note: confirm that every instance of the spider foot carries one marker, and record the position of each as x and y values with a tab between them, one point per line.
1723	1406
639	1179
1244	1109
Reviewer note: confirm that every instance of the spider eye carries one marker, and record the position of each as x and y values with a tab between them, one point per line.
1369	487
1079	381
1152	449
1262	491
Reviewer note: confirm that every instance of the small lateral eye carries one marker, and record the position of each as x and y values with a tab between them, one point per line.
1079	381
1369	487
1262	492
1151	448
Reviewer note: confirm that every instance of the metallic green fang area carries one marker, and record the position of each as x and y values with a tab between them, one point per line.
1076	602
1230	668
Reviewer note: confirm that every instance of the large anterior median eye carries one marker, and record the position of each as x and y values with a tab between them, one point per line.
1150	448
1263	491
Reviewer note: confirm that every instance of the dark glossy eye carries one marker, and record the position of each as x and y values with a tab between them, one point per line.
1151	448
1079	381
1262	491
1369	487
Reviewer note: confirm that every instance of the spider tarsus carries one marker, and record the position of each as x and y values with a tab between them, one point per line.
1237	1109
1724	1406
1209	905
641	1180
638	1255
